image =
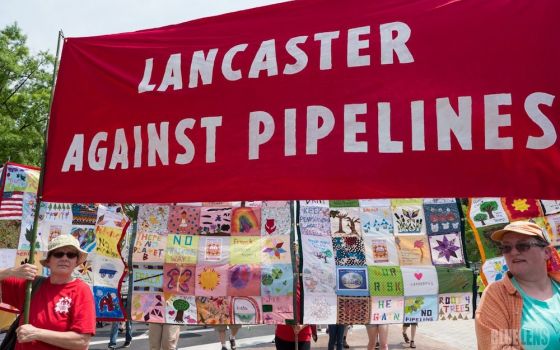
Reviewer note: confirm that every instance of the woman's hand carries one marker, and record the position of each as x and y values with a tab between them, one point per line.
25	271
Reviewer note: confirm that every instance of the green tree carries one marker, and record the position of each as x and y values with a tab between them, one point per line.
25	81
489	208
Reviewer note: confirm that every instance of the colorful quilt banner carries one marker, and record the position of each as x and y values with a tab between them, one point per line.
213	263
361	266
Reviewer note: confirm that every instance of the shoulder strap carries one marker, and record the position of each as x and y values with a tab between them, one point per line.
36	284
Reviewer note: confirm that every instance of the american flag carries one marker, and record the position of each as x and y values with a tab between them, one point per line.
11	206
11	197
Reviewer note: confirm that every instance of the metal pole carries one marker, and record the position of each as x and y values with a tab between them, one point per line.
28	286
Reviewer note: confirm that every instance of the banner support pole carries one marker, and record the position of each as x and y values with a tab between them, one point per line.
28	285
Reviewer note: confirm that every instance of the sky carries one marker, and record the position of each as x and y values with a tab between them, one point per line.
41	20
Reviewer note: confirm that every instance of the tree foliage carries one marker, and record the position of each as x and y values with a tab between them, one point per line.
25	81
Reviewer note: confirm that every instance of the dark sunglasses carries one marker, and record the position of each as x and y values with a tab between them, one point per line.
70	255
520	247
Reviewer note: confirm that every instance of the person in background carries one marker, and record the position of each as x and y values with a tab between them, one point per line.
336	333
522	311
233	329
377	332
61	313
163	336
413	327
120	327
344	342
480	285
285	336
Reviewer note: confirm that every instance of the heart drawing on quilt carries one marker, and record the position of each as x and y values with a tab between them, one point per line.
418	275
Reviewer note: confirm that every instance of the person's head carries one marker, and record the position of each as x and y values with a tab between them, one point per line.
63	255
525	248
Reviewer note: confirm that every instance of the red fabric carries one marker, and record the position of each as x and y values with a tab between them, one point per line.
46	301
472	49
286	332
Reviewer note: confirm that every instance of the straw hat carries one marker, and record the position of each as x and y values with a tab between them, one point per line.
523	227
65	241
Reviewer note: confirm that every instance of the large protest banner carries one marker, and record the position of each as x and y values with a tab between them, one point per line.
313	99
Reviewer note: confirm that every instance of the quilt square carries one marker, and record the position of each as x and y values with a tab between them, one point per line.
414	250
387	310
84	214
180	309
487	212
107	240
522	208
215	220
211	280
181	249
381	250
385	281
107	271
419	280
314	221
179	279
213	310
442	218
149	248
183	219
147	278
246	221
344	203
276	221
352	281
107	303
447	249
153	218
353	310
86	236
345	222
246	250
482	236
277	279
377	221
244	280
409	216
455	280
213	250
148	307
548	206
276	250
495	269
349	251
456	306
277	309
320	309
246	310
317	250
421	309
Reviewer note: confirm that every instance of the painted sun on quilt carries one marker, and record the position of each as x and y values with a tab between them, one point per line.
209	279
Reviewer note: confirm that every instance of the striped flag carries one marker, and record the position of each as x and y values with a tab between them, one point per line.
11	206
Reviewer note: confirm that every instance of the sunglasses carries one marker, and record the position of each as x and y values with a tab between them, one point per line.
520	247
70	255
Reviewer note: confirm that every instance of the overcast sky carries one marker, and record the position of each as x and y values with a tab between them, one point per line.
41	20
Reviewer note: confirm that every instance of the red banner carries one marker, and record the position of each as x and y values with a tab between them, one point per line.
314	99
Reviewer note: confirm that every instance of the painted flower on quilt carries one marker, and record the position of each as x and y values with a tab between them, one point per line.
419	244
447	248
274	248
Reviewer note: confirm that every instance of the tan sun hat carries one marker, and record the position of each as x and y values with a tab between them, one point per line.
523	227
65	241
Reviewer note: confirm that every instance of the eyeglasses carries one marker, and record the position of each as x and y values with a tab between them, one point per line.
520	247
70	255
